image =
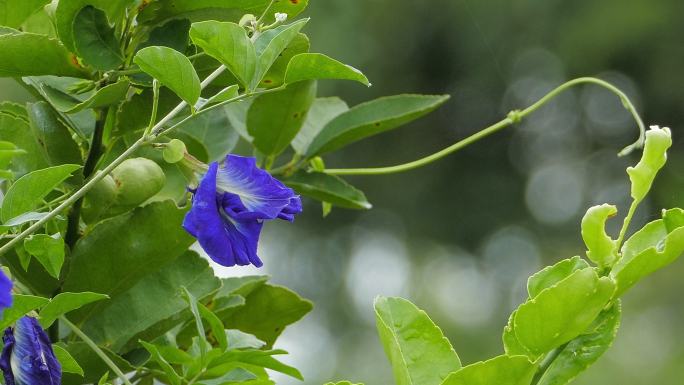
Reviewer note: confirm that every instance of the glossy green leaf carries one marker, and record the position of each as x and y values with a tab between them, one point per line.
172	69
16	130
28	191
95	40
648	250
105	96
21	305
28	54
416	348
322	111
602	249
275	77
267	311
128	316
658	140
64	303
584	350
13	13
270	45
501	370
119	252
316	66
53	137
66	12
561	312
328	188
512	345
551	275
68	363
229	44
372	118
274	119
173	377
48	250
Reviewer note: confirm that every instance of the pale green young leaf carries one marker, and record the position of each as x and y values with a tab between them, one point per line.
48	250
13	13
372	118
501	370
228	43
274	119
270	44
64	303
658	140
53	137
561	312
653	247
241	340
216	325
416	348
172	69
68	363
8	151
322	111
316	66
328	188
21	305
259	358
29	54
170	372
551	275
512	345
105	96
95	40
28	191
584	350
234	376
601	248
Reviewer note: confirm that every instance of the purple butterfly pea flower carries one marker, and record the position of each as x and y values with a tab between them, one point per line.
5	291
230	205
27	357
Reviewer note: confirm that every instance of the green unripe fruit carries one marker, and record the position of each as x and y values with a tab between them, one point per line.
137	180
99	199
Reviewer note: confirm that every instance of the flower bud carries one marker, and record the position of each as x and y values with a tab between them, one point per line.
137	180
27	357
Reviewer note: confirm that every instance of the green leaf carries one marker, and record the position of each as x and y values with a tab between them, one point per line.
260	358
48	250
66	302
27	192
105	96
584	350
21	305
267	311
561	312
172	69
551	275
270	45
242	340
322	111
602	249
216	326
15	129
68	363
234	376
152	306
275	119
229	44
501	370
372	118
417	349
117	253
27	54
173	34
67	10
214	130
14	12
7	152
201	334
316	66
53	137
343	383
648	250
95	368
512	345
275	77
171	374
328	188
228	93
652	160
94	40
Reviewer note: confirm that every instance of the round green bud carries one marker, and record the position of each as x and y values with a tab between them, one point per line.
137	180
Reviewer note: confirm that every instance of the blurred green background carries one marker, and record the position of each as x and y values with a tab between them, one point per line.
460	237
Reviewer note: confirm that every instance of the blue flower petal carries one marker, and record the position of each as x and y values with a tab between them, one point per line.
261	194
27	357
5	291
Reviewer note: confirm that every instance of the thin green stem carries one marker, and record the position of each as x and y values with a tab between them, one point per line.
512	118
626	222
546	363
96	349
155	106
263	14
